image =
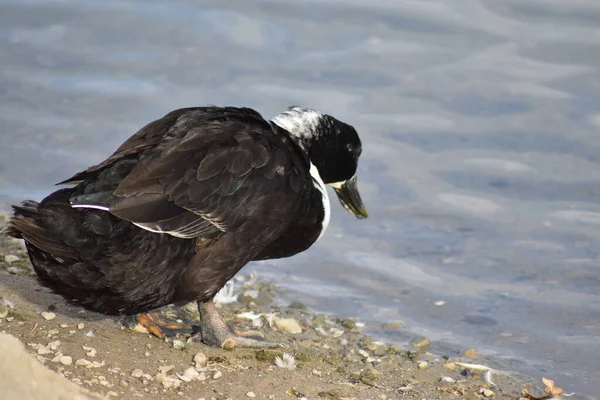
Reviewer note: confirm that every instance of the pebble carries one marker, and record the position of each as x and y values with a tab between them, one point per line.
369	376
66	360
10	258
178	344
450	366
377	348
421	343
288	325
82	362
167	381
423	365
363	353
439	303
486	392
447	379
397	348
336	332
250	394
80	325
393	326
217	375
137	373
54	345
471	353
43	350
48	315
13	270
316	372
199	359
90	351
190	374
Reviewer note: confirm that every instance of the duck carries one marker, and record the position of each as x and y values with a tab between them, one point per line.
186	202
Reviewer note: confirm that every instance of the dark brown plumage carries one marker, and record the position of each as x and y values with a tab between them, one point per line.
174	213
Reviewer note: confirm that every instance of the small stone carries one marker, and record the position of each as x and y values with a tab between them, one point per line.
178	344
288	325
316	372
439	303
397	348
447	379
471	353
377	348
95	364
112	394
363	353
64	326
52	332
450	366
421	344
66	360
48	315
10	258
369	376
486	392
393	326
199	359
90	351
80	325
82	362
423	365
167	381
217	375
250	394
54	345
43	350
137	373
348	324
189	375
13	270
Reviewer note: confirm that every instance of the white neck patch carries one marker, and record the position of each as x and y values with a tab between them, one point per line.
301	123
320	185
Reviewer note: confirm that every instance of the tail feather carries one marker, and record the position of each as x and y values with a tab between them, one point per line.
23	225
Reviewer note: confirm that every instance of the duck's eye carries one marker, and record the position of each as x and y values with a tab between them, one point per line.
350	147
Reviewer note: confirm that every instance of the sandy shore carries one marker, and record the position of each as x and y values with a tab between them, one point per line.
333	358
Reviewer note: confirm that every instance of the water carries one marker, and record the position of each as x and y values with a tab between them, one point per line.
480	122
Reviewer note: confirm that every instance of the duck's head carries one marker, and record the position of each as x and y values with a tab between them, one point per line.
333	147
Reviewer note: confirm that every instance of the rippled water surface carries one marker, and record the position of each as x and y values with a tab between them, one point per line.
481	162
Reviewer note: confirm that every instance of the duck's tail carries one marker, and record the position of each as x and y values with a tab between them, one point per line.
29	224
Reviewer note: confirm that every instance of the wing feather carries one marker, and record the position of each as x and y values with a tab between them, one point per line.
197	173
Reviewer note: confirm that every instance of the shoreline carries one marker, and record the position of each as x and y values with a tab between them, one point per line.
332	358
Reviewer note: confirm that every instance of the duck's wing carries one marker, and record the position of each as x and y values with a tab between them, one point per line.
206	174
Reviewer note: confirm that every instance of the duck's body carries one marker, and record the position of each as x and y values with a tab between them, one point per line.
178	210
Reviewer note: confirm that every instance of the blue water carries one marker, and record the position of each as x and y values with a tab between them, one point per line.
481	129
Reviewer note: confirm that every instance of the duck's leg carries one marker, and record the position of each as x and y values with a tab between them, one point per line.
215	331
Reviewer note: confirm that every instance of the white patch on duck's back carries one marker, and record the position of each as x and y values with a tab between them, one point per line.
320	185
